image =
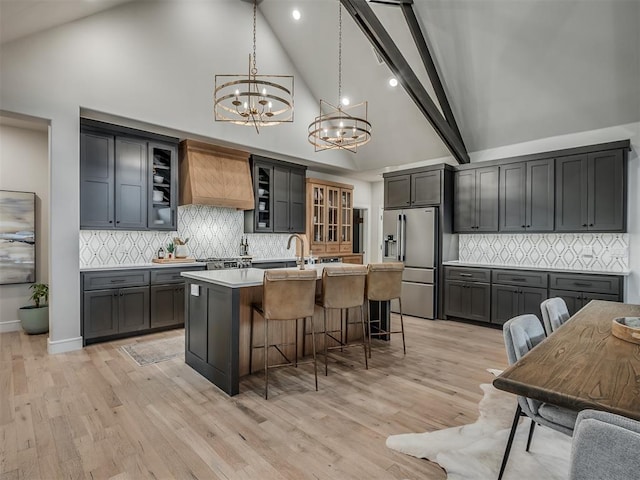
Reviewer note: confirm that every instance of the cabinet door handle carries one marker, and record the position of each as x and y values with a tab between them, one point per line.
524	226
584	224
591	224
528	226
118	221
580	284
121	294
117	280
519	279
110	221
466	275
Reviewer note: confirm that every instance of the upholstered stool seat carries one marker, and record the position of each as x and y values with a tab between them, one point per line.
384	283
342	289
288	295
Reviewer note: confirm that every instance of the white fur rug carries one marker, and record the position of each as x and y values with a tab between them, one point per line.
475	451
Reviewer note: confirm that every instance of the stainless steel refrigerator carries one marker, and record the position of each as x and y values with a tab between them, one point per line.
410	236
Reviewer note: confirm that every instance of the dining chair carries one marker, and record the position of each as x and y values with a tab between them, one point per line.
288	295
521	334
342	289
604	446
384	283
554	314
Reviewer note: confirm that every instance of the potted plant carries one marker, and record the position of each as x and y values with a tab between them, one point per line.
170	249
181	247
35	318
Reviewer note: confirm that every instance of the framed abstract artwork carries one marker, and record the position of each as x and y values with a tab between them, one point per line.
17	237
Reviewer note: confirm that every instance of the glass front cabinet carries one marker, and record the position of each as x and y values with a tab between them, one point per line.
329	216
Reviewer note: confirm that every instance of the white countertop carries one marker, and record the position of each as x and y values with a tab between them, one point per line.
268	260
134	266
458	263
241	277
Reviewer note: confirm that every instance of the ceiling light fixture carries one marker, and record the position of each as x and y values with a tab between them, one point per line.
341	127
252	99
393	82
296	14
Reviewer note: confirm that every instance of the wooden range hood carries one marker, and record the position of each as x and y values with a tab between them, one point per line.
214	175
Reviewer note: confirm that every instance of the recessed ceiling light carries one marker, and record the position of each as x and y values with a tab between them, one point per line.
393	82
296	14
345	101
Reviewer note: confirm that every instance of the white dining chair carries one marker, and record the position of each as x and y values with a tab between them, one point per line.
554	314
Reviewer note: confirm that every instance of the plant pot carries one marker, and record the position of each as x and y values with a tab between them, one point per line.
34	319
181	251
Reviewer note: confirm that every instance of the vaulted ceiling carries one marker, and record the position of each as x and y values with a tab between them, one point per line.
514	71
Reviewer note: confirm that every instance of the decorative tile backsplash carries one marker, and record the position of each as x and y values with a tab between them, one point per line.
212	232
607	252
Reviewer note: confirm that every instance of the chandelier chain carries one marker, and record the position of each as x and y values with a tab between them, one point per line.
339	55
254	70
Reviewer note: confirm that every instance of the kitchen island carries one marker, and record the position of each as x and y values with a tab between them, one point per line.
218	307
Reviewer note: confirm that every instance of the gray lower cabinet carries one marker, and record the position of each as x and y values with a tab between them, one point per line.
578	290
508	301
167	305
124	302
471	292
114	311
467	293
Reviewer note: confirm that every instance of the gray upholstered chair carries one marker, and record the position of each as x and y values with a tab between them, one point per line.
554	314
521	334
342	289
384	283
287	295
605	446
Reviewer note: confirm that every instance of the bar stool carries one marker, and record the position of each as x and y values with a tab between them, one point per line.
384	283
287	295
343	288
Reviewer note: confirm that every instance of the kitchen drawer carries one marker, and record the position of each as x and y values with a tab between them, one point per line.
520	277
468	274
333	249
115	279
346	248
585	283
170	275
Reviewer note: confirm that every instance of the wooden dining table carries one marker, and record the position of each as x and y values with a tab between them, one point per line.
582	365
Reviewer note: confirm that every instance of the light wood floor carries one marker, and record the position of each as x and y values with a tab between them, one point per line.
96	414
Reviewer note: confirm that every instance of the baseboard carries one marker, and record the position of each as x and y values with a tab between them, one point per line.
10	326
62	346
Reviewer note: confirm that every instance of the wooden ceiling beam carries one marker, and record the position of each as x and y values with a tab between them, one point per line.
373	29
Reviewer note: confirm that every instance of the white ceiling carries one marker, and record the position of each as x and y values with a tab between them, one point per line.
514	70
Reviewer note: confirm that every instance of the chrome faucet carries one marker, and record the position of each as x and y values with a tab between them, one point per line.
301	260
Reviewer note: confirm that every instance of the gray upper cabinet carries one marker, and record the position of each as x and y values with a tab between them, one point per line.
476	200
279	190
131	183
418	189
425	188
97	180
119	171
527	196
590	192
397	191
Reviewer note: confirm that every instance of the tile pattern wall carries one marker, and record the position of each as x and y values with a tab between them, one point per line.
212	232
609	251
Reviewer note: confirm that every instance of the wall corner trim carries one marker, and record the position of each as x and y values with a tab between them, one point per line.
62	346
10	326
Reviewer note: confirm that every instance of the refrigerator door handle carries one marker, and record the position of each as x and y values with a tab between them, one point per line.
398	238
404	237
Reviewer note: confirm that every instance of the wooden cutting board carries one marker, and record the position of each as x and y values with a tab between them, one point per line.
173	260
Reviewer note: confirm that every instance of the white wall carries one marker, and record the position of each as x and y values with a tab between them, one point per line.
377	207
620	132
24	166
152	62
